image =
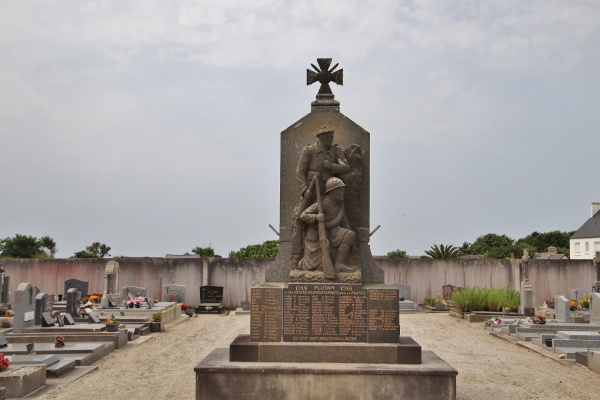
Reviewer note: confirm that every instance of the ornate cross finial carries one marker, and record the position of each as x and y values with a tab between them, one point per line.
324	75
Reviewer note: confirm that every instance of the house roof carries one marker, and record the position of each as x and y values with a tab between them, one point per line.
591	228
548	256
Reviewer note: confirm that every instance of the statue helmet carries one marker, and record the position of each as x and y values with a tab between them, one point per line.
324	130
333	183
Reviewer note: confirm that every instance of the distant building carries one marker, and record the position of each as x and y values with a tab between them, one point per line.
552	254
585	242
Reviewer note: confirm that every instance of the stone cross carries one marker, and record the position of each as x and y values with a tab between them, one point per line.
324	75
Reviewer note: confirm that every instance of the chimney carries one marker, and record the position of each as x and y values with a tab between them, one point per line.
595	208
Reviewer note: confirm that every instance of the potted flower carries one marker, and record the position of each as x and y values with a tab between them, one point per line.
156	324
538	319
94	298
573	305
129	303
4	363
59	341
112	325
585	301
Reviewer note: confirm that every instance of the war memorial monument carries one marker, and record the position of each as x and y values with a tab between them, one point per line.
324	325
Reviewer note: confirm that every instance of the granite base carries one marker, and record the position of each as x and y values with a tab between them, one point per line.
219	378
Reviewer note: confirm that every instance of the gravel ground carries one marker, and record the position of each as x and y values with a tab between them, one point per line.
162	366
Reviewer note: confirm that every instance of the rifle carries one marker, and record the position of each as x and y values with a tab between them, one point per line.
301	206
328	269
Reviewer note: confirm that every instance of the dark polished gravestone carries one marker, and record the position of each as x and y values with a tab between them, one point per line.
211	300
73	283
324	325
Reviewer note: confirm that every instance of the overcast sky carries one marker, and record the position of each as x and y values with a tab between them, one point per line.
154	126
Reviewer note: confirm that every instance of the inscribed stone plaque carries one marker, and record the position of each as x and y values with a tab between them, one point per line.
211	294
47	320
325	313
266	313
3	342
92	316
68	319
384	319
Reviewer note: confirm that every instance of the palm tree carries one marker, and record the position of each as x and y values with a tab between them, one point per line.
443	252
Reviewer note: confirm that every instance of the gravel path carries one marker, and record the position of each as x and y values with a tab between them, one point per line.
162	366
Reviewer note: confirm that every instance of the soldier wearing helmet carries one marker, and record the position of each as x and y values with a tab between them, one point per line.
341	238
323	160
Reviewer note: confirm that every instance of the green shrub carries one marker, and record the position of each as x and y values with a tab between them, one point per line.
485	299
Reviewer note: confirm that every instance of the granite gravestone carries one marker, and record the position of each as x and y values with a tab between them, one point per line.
73	299
24	306
91	316
68	319
211	300
562	308
43	304
595	308
174	293
78	284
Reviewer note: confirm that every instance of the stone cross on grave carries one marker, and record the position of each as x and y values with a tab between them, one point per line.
324	75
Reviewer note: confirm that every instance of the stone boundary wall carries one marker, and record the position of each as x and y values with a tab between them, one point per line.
425	276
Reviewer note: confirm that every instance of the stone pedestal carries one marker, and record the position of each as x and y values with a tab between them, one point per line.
219	378
19	381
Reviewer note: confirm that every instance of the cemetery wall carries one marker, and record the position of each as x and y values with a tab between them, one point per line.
237	276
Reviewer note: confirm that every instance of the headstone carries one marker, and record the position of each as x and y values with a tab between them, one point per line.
111	304
47	320
61	320
3	342
174	293
211	294
245	305
78	284
93	318
211	300
447	291
562	308
135	291
4	285
24	307
43	303
73	297
403	290
30	348
577	294
68	319
595	308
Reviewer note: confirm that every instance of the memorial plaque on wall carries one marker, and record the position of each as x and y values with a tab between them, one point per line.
211	294
266	313
384	319
325	313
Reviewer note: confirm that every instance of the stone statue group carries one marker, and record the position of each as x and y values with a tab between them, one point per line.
323	236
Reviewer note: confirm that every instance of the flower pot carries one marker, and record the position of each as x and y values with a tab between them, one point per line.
112	328
137	305
130	305
155	326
